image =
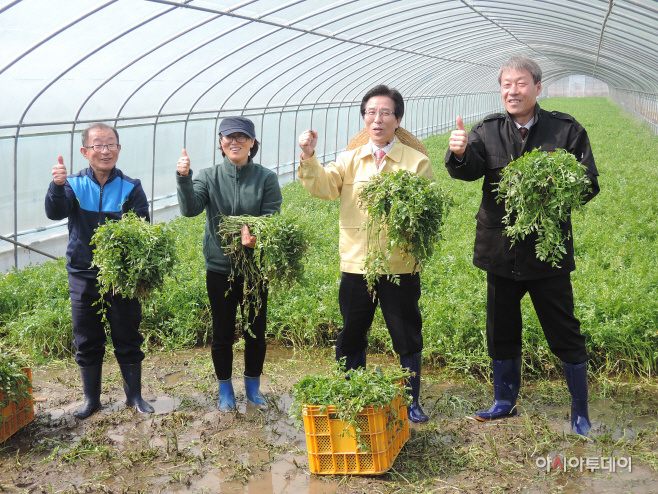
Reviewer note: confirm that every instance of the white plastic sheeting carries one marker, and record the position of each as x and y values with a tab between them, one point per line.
165	72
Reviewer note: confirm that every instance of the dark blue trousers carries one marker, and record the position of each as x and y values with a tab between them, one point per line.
553	301
123	314
399	304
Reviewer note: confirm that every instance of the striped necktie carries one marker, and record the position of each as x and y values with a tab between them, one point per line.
524	132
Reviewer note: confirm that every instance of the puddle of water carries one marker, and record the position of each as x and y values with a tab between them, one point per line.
173	378
284	477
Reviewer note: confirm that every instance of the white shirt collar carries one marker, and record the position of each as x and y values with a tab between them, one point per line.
527	126
386	148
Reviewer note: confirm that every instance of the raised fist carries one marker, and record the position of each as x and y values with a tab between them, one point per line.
307	141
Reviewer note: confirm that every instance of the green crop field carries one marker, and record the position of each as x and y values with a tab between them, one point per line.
615	283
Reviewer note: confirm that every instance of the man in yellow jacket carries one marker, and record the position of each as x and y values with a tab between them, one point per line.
382	109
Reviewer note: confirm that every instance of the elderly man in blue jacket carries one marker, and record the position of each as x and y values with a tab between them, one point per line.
88	199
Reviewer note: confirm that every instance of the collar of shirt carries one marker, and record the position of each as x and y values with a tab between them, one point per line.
386	148
527	126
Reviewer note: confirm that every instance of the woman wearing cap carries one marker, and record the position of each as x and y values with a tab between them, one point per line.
236	186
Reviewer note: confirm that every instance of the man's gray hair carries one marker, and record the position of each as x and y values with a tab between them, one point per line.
521	63
101	126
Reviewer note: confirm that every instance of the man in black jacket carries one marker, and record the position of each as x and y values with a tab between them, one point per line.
514	270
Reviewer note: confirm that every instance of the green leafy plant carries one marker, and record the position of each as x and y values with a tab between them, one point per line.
133	257
350	393
540	191
410	211
14	384
276	259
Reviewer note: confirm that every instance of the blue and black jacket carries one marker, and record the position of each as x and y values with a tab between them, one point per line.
87	205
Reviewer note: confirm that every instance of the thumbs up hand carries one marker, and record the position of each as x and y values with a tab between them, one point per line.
183	165
59	171
459	139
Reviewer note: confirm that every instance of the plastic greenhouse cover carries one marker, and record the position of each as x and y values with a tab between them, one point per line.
165	72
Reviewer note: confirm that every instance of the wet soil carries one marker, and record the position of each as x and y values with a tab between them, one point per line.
189	446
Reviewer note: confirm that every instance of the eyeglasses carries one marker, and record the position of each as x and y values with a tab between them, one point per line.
382	113
228	139
99	147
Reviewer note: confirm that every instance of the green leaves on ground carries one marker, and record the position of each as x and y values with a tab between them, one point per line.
540	191
14	385
132	256
276	259
350	393
409	210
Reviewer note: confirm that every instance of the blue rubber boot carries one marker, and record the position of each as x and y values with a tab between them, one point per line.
576	376
132	386
413	362
352	360
226	396
252	389
507	381
91	386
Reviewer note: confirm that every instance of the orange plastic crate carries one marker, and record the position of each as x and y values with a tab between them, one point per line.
16	415
329	453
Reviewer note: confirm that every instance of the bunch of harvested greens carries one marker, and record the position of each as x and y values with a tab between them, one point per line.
277	258
540	191
410	210
132	256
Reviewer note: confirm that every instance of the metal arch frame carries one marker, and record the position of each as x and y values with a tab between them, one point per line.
52	34
624	62
288	69
371	61
559	14
331	67
620	51
116	73
35	98
289	27
208	66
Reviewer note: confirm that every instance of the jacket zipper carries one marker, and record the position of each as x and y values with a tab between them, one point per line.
235	195
100	207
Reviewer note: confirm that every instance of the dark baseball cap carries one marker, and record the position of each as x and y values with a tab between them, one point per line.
231	125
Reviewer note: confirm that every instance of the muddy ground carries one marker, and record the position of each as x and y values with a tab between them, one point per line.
189	446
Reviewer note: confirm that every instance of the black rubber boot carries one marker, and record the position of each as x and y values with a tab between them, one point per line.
576	376
413	362
91	385
507	382
132	385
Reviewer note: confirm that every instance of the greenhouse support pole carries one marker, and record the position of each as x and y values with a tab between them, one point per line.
155	127
18	129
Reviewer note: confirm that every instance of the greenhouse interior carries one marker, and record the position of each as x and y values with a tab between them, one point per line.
165	74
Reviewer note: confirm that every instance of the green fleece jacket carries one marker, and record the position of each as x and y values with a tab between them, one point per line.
225	189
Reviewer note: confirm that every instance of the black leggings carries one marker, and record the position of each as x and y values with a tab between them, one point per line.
225	297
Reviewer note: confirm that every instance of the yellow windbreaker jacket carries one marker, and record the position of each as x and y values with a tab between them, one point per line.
344	178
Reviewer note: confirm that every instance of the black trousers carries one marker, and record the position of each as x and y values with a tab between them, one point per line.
552	299
225	297
123	314
399	305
